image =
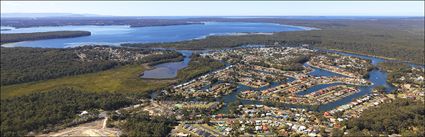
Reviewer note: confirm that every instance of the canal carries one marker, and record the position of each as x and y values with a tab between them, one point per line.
376	77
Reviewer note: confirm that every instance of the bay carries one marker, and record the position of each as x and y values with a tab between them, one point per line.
117	34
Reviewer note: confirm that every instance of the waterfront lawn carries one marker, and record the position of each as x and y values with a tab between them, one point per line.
122	79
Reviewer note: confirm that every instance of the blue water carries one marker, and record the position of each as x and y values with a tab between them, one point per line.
321	72
115	35
168	70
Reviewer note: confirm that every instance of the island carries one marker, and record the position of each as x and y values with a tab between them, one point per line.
18	37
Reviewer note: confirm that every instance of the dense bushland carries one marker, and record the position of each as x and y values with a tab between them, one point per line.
402	116
43	111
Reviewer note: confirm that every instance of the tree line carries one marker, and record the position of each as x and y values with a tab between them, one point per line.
100	21
402	116
140	124
17	37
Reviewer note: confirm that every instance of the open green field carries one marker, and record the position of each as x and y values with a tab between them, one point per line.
122	79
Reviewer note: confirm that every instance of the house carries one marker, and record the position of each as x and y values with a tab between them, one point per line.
182	134
326	114
83	113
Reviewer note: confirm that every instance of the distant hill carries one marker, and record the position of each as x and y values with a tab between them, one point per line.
43	15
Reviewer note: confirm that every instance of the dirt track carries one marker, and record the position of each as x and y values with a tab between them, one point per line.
95	128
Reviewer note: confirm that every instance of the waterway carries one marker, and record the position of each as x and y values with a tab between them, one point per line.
168	70
376	76
118	34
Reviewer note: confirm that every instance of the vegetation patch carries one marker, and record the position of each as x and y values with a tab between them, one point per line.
197	67
140	124
17	37
47	111
402	116
121	79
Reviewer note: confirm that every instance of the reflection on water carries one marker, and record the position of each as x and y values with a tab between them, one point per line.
377	77
168	70
321	72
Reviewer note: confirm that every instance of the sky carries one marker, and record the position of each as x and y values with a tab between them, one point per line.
219	8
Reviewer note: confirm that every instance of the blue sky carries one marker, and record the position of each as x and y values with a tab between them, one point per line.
220	8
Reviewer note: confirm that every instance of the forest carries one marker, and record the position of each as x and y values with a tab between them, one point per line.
17	37
402	116
46	111
19	65
140	124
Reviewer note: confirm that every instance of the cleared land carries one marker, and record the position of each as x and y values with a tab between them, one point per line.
94	129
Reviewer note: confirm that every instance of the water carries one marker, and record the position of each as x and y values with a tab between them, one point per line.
321	72
377	77
115	35
168	70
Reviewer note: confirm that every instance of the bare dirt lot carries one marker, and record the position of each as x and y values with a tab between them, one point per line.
95	128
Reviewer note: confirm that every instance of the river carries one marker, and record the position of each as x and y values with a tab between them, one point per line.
170	69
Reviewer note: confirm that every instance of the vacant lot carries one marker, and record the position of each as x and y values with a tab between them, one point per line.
94	129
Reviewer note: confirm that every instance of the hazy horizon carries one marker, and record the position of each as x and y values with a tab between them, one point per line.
218	8
99	15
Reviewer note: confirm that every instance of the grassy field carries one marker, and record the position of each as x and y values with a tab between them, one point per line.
122	79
